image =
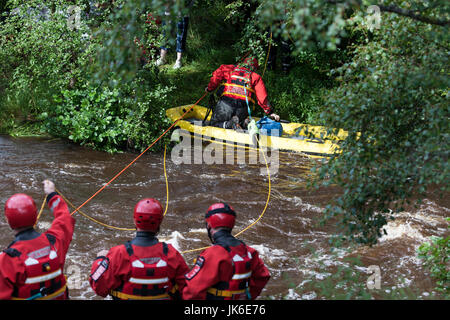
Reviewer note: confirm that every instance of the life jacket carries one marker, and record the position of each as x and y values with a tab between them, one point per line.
237	288
44	274
238	86
148	278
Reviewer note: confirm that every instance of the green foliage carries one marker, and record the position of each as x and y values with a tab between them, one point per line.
254	41
324	23
238	11
393	100
297	96
118	52
108	119
311	23
435	255
49	79
39	55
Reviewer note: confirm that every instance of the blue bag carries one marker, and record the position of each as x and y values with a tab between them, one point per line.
269	127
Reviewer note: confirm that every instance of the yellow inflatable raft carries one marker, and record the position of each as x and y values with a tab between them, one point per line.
304	138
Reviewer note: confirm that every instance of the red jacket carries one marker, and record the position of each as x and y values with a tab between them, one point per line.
30	249
224	73
215	266
119	273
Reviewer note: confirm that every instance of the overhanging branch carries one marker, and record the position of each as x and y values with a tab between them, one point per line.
413	15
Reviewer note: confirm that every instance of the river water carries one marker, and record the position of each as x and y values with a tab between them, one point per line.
288	237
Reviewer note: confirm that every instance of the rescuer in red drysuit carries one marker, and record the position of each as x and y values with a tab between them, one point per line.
228	270
32	265
143	268
240	87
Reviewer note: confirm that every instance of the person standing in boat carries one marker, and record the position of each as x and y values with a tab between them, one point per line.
239	85
229	270
32	265
143	268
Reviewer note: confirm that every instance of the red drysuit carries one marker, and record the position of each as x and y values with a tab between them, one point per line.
235	78
227	270
32	265
141	269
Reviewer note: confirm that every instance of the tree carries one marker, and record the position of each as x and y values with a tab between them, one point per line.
392	97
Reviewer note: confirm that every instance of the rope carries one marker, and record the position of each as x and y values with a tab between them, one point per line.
93	219
114	227
167	197
268	53
167	182
40	211
127	166
268	197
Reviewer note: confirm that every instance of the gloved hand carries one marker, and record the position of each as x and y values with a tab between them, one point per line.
275	117
49	187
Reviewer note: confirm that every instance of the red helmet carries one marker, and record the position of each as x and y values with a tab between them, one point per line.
148	214
251	63
20	211
220	215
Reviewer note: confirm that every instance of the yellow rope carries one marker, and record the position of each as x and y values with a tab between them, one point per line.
167	197
167	182
268	53
267	201
92	219
40	211
114	227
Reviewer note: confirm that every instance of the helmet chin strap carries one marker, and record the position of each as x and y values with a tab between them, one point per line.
210	233
213	231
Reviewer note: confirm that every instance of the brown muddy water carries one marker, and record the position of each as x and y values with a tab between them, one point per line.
284	236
